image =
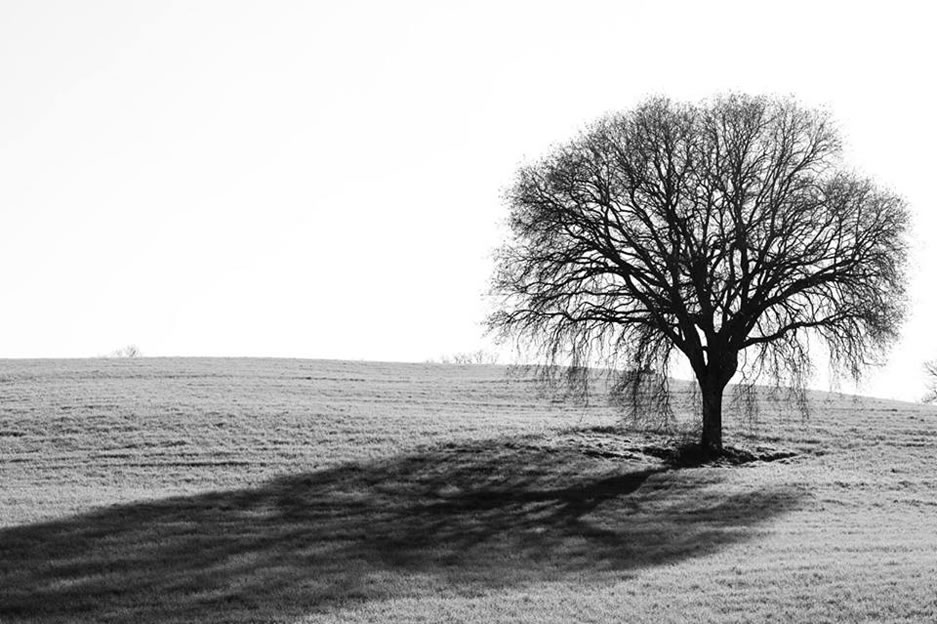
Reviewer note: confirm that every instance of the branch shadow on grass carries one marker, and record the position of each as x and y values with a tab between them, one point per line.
454	520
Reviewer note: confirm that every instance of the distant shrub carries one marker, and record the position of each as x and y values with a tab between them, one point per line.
130	351
473	357
931	369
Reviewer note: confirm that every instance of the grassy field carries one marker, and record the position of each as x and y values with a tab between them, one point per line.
211	490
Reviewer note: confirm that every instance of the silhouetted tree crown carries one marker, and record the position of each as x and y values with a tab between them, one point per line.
727	231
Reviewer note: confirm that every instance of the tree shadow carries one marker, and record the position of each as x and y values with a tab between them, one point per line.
452	520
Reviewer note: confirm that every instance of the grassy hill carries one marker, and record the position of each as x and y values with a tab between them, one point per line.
230	490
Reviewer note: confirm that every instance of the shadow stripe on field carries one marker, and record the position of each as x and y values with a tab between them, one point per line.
449	520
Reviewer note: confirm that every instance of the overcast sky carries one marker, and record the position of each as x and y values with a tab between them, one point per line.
323	179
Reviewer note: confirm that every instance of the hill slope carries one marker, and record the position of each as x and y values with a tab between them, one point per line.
234	490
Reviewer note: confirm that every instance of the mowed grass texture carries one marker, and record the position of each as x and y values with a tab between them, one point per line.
201	490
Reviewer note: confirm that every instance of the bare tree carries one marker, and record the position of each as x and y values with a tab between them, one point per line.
727	231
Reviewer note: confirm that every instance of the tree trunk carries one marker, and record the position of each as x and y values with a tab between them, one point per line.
713	380
712	417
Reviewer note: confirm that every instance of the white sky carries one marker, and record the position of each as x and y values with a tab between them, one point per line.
323	179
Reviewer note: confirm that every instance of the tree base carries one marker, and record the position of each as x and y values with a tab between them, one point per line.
696	455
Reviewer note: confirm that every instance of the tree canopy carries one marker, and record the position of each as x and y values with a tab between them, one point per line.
727	231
